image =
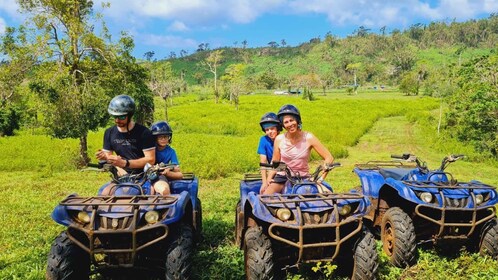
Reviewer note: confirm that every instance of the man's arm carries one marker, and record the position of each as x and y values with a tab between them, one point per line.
149	157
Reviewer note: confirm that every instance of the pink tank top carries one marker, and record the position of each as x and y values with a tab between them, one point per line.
296	156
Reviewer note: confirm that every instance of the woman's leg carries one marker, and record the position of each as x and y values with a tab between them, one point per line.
274	188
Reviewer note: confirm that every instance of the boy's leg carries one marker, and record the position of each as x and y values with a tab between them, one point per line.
162	187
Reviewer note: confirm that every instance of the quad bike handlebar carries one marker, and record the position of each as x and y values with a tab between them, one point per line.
150	172
423	165
319	175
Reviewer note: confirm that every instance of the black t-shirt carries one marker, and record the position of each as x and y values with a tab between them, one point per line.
129	145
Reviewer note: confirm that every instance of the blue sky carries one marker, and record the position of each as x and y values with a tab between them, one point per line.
165	26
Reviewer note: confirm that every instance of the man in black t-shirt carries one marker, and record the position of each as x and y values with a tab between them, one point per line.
132	142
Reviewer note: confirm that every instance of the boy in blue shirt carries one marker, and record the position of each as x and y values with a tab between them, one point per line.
271	126
165	154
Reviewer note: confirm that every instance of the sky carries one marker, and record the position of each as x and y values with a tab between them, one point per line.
165	26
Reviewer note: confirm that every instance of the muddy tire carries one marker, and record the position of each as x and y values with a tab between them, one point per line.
489	239
198	221
239	221
178	263
366	258
258	255
398	238
66	260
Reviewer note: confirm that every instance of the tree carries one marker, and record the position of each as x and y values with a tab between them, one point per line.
13	74
473	107
234	82
362	31
409	84
148	55
268	79
273	44
201	47
354	68
211	63
163	83
78	72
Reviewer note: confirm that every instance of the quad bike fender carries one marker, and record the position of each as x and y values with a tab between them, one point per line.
371	182
190	185
258	210
247	187
180	208
403	191
61	216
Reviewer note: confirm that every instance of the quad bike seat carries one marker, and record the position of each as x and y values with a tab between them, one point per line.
395	173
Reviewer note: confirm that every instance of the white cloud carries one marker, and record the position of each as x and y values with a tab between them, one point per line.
377	13
2	26
10	7
193	12
171	42
178	26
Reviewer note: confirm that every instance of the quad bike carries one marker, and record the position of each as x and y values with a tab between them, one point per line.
306	223
415	205
129	233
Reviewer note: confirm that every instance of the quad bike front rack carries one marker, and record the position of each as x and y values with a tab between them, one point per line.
305	221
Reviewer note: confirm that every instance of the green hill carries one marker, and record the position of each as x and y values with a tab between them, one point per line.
375	57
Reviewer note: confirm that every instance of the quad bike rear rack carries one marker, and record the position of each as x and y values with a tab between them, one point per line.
300	224
101	229
378	164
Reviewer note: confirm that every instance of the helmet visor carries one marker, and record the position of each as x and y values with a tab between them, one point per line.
268	125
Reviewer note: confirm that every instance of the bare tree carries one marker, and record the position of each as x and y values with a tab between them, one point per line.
211	64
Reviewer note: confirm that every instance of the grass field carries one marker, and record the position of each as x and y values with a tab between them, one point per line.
219	143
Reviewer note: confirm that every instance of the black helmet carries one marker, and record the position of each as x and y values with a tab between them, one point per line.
161	128
270	118
289	110
121	105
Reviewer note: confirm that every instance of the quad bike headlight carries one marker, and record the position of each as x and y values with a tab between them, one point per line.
151	217
426	197
344	210
284	214
83	217
479	199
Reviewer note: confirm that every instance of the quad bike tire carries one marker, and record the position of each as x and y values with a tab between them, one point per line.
258	255
398	238
178	263
489	239
366	258
238	224
198	221
66	260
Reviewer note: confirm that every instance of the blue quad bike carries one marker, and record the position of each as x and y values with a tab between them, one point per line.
130	233
413	205
307	223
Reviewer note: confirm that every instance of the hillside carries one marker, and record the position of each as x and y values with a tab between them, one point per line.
375	58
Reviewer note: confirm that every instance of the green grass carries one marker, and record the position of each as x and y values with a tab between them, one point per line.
219	144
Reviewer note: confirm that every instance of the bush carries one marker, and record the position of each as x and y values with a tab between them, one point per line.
10	118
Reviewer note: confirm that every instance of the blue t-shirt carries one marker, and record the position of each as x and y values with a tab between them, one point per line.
166	156
266	147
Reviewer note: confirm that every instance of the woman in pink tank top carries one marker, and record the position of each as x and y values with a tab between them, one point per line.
294	149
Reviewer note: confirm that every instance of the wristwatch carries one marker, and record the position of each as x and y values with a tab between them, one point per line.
127	163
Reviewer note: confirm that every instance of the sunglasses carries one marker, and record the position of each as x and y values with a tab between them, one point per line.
121	118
